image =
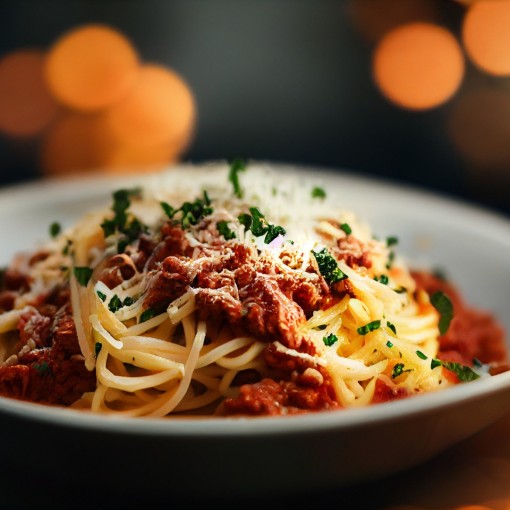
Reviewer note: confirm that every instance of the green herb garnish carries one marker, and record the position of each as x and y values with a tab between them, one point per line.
392	327
346	228
421	355
330	339
190	213
389	344
115	303
463	372
328	267
398	369
435	363
82	274
318	192
236	166
382	279
55	229
147	314
391	259
225	231
101	295
441	302
257	223
367	328
129	226
391	241
97	348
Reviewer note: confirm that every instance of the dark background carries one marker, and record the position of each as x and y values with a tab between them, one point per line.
282	80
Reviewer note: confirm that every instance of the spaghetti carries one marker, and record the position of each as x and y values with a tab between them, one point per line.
241	292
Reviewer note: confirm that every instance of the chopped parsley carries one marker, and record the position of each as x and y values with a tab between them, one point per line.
67	247
257	223
441	302
129	226
398	369
463	372
391	241
97	348
367	328
435	363
382	279
82	274
421	355
116	303
190	213
328	267
391	259
147	314
330	339
318	192
101	296
389	344
392	327
346	228
55	229
236	166
225	231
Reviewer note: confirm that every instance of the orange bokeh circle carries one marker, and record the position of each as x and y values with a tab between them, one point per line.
486	36
418	65
26	105
159	109
91	67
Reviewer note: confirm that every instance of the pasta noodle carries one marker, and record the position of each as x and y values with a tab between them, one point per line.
235	291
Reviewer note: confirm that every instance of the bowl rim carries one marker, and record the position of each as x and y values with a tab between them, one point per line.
82	185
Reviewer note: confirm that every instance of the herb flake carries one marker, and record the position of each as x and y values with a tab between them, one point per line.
82	274
236	166
367	328
328	267
441	302
330	339
318	192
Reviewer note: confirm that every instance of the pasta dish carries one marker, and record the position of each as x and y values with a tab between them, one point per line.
231	290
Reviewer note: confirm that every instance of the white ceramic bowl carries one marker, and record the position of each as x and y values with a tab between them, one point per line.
209	456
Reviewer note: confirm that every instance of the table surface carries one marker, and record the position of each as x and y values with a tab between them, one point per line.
473	475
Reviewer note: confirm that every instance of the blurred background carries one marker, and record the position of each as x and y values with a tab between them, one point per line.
416	91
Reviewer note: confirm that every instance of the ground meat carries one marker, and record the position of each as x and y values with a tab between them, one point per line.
173	242
473	333
52	371
7	300
33	326
15	280
353	252
269	398
233	283
296	385
384	393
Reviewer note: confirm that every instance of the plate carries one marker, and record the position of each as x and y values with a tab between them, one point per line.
273	455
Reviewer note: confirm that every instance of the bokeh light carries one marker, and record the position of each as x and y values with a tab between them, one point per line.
159	109
26	105
91	67
91	104
73	144
375	18
486	36
418	66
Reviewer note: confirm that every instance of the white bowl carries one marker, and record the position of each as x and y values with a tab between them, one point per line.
206	457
